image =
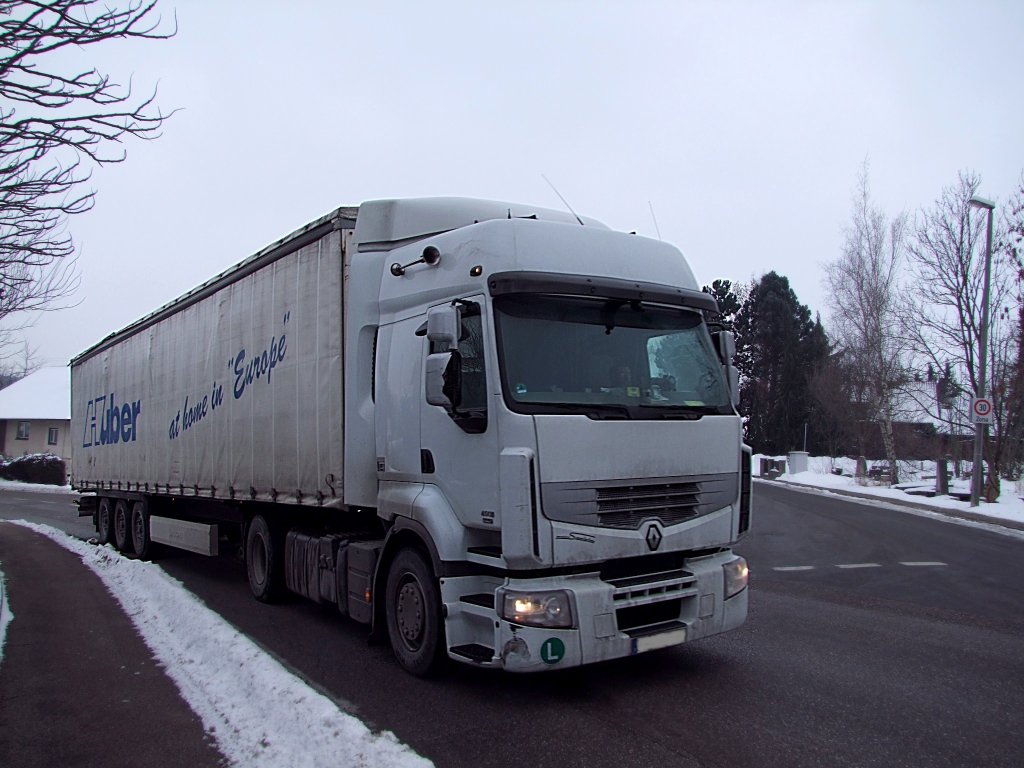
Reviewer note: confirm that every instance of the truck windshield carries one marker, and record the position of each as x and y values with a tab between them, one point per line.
607	358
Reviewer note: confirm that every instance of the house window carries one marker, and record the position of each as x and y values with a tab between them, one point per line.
23	430
51	437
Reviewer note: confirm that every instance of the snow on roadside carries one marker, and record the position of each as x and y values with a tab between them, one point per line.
16	485
1009	505
258	712
5	615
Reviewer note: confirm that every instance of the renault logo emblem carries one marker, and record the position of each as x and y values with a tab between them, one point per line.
653	537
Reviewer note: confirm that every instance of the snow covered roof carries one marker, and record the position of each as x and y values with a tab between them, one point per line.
44	394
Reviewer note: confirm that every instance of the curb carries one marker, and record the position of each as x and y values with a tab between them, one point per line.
946	511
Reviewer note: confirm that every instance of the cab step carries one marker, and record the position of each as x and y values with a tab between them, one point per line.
484	600
474	652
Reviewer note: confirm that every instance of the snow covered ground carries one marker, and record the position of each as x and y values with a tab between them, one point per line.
14	485
1009	505
258	713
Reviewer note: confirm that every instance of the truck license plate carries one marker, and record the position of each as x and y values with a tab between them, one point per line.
654	642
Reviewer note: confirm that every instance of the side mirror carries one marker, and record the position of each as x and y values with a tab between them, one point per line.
726	343
444	380
444	325
734	384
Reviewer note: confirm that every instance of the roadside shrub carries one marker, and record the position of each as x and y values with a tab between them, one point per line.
43	468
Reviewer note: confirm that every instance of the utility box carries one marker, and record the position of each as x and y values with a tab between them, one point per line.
798	461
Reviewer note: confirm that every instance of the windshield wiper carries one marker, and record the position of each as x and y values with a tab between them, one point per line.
592	410
677	411
606	411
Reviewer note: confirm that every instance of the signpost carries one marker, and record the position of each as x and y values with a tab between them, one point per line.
981	420
981	410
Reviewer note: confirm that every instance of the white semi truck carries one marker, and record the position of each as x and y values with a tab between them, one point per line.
494	433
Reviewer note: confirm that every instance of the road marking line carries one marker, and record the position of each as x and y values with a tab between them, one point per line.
794	568
859	565
921	564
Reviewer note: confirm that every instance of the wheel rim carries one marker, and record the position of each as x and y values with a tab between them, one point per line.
409	612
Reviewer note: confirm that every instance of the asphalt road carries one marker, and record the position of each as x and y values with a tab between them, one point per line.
875	638
57	509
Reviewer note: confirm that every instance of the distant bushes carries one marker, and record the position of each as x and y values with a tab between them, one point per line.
43	468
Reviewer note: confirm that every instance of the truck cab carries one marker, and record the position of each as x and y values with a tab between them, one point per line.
555	438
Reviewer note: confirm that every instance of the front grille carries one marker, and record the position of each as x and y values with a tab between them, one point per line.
627	506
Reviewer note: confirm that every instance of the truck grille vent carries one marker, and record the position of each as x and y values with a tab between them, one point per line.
628	506
669	500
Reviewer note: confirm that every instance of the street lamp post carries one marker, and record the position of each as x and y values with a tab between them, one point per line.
981	429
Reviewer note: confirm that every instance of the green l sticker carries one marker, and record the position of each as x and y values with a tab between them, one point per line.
553	651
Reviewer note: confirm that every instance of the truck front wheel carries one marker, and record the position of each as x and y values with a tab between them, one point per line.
264	561
413	604
104	521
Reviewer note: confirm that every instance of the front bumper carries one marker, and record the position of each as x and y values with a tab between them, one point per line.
615	617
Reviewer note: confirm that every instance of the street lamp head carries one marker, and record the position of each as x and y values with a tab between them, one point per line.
981	202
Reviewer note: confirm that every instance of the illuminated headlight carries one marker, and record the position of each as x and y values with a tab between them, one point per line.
537	609
736	575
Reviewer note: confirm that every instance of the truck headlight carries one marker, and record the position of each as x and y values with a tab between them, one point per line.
537	609
736	576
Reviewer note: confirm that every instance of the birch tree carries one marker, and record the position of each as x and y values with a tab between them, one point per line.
864	285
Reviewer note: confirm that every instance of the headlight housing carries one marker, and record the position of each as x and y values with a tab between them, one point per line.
736	576
537	609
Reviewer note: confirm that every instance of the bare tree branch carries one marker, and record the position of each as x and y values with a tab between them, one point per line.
943	315
54	126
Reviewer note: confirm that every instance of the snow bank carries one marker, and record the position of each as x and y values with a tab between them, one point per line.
15	485
1009	505
259	713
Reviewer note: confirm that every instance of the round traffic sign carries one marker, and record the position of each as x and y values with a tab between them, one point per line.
982	406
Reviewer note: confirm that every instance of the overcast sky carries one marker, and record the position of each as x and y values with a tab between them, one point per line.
742	124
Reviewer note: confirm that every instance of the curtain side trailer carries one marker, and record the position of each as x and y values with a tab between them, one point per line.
493	433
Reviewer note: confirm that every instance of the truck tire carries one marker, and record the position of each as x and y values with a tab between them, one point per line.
140	531
264	561
122	527
104	521
413	606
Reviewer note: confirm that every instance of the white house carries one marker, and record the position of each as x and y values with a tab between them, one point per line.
35	414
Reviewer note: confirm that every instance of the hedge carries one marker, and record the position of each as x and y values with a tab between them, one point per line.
43	468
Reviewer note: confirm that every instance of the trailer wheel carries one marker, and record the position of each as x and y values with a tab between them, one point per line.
104	521
122	527
413	605
264	561
140	530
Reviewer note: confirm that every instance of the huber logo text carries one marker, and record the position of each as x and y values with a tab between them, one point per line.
108	422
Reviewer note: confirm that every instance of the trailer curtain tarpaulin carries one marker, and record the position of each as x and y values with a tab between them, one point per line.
205	400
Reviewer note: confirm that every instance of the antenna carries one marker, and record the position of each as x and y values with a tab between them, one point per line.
564	201
656	228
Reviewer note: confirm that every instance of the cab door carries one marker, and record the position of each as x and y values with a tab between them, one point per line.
460	444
